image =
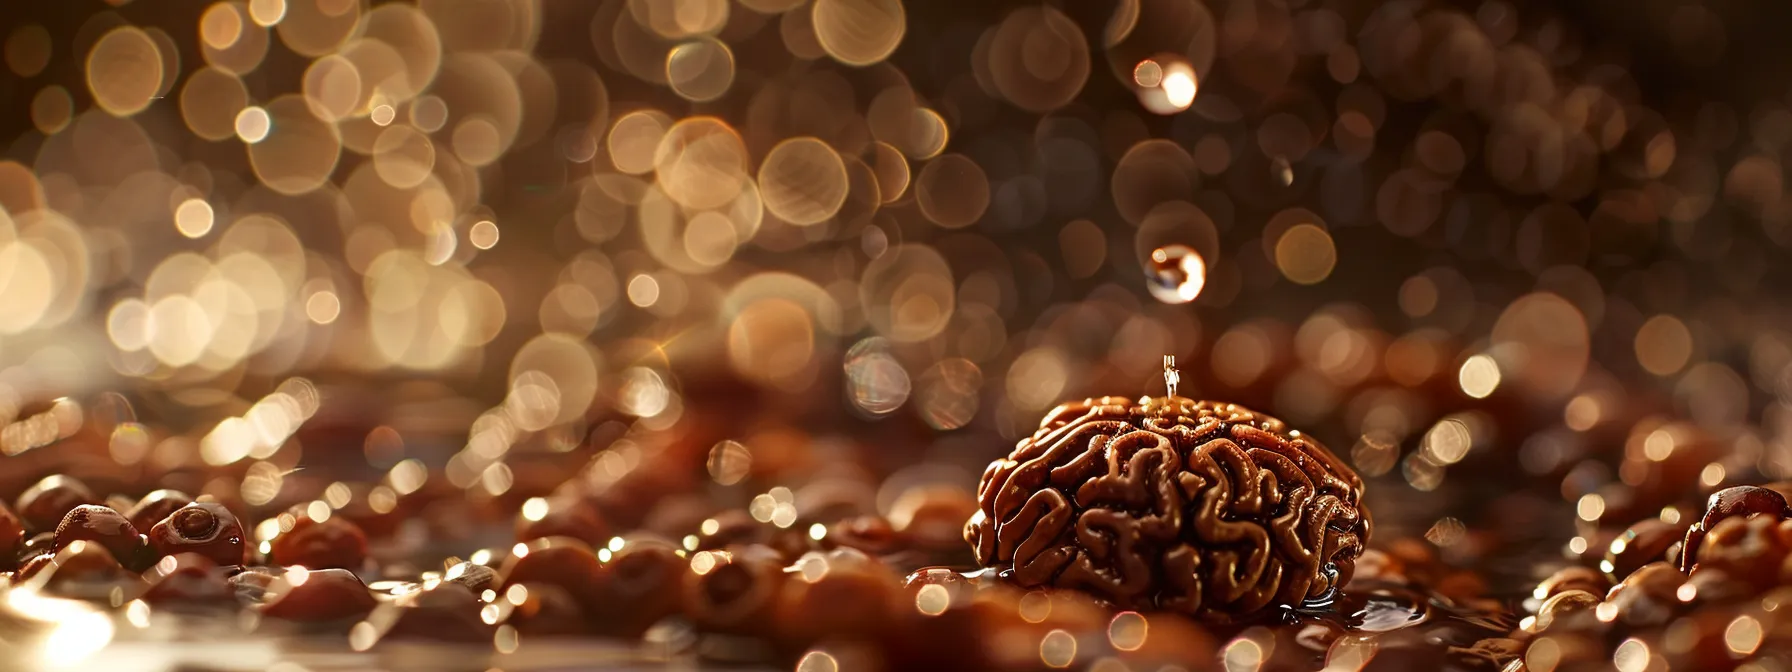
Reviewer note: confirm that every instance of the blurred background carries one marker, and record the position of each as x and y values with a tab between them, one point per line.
1511	259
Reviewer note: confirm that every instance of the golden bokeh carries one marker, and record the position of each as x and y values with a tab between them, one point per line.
28	50
1038	59
701	163
803	181
859	32
952	191
124	71
700	70
209	102
52	109
1305	254
297	151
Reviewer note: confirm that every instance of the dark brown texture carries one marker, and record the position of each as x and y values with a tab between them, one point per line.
106	527
1752	550
1738	501
1198	507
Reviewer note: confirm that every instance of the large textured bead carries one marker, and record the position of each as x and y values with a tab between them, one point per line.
1200	507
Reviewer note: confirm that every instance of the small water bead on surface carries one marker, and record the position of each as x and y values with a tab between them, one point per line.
1175	274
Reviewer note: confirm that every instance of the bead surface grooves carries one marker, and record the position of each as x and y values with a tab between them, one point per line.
1200	507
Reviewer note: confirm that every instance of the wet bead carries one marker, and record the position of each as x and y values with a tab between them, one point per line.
1738	501
205	528
155	506
43	505
108	528
1645	542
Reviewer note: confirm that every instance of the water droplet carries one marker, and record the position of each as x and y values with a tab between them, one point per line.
1175	273
1284	173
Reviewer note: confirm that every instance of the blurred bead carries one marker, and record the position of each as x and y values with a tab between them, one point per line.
43	505
316	595
734	589
564	517
872	535
1647	597
933	517
333	543
1566	606
828	500
1573	578
547	610
205	528
1645	542
644	585
561	561
188	580
86	570
446	613
839	593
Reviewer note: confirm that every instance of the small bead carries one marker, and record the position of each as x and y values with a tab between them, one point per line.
333	543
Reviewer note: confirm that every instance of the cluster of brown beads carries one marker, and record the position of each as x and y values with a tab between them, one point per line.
835	579
164	547
1708	595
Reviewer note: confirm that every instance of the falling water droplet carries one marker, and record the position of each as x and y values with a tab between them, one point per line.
1284	173
1175	273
